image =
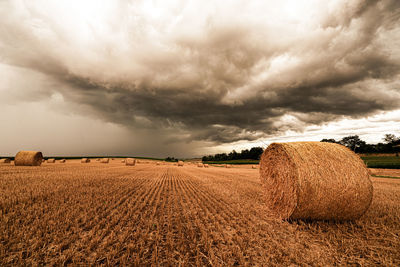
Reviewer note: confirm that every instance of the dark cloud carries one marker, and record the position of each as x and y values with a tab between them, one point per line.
232	76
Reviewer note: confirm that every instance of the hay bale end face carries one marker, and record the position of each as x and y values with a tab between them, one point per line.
85	160
105	160
180	163
5	160
28	158
130	162
315	180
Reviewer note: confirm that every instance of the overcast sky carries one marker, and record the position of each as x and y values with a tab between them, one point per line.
188	78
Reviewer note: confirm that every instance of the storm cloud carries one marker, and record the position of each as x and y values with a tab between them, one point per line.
207	70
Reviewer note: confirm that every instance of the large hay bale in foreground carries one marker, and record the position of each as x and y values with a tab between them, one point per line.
28	158
5	160
130	162
315	180
180	163
105	160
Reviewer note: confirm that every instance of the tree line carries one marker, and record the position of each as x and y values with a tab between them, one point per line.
253	153
353	142
389	145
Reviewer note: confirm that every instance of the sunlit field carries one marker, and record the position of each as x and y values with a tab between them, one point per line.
148	214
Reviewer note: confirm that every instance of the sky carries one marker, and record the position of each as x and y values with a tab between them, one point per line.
191	78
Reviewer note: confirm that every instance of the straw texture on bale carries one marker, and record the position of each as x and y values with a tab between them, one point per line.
85	160
105	160
180	163
28	158
5	160
200	165
315	180
130	162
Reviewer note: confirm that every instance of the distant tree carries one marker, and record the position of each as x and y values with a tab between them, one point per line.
256	152
171	159
328	140
353	142
390	138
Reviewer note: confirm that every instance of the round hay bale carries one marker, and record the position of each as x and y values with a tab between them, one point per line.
158	163
315	180
62	160
85	160
205	165
6	160
105	160
28	158
180	163
51	161
123	161
254	167
200	165
130	162
228	166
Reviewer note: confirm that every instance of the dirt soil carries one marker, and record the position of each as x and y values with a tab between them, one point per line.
165	215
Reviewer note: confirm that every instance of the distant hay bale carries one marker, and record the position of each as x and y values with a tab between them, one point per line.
98	159
123	161
130	162
180	163
228	166
205	165
200	165
254	167
158	163
28	158
315	180
62	160
85	160
6	160
51	161
105	160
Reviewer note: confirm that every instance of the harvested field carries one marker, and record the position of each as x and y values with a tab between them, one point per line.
111	214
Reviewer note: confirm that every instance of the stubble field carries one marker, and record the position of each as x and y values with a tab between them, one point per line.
112	214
